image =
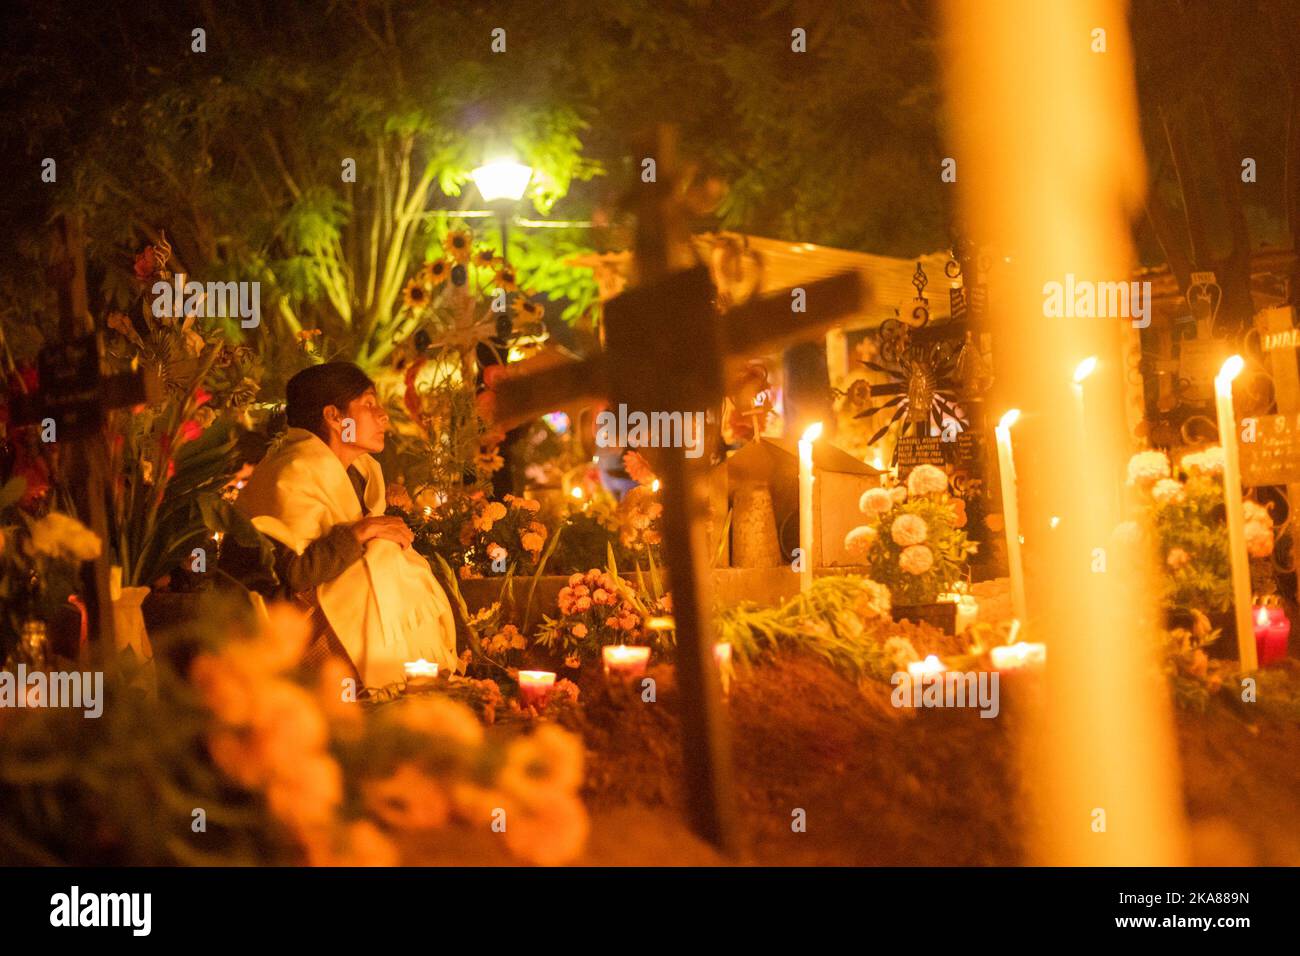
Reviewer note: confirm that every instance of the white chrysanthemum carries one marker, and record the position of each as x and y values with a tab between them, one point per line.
1167	491
1147	467
908	530
858	541
875	502
926	480
916	560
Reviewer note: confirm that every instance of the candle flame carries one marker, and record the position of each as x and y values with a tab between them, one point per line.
812	432
1262	617
576	492
1085	368
1229	371
654	485
1010	418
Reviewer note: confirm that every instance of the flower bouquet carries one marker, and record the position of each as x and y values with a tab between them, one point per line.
598	608
915	544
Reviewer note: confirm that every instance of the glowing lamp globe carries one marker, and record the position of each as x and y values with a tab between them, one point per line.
502	180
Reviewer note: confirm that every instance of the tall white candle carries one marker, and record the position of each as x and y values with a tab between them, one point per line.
1011	513
1246	648
810	435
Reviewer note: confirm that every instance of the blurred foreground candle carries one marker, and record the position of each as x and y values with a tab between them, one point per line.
420	673
625	661
1236	512
1011	512
1052	178
1014	657
1272	629
810	435
535	687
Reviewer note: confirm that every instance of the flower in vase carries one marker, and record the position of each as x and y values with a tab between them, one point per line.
1177	558
908	530
898	494
916	559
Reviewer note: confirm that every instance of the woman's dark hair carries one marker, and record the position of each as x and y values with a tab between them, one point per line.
313	389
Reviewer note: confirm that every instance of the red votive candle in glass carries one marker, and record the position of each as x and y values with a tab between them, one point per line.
1272	629
625	661
535	687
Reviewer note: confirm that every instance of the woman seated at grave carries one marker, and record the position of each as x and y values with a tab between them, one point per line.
320	497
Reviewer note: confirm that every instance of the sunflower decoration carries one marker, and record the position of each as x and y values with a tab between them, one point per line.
415	295
507	279
487	259
435	273
524	310
924	387
458	243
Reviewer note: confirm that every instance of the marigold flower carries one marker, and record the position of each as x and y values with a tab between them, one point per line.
916	559
908	530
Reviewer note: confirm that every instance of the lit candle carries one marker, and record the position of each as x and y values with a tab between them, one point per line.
1011	512
810	435
535	687
1272	628
1014	657
420	673
1246	649
722	657
625	661
931	665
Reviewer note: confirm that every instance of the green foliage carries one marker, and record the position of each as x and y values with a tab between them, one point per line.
844	620
1194	523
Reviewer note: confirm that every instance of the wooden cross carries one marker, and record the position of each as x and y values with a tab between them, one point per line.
667	349
71	403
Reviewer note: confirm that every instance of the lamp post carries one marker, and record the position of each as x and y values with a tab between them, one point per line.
502	184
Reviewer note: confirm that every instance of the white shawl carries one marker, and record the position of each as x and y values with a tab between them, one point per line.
387	608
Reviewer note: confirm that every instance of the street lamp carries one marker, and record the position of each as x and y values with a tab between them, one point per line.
502	184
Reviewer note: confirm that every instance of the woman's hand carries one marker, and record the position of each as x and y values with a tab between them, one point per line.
382	526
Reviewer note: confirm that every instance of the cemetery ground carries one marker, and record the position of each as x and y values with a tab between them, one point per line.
883	786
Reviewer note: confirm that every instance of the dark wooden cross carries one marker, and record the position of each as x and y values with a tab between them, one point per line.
667	349
72	401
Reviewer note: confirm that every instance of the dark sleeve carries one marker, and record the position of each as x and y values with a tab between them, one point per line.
323	560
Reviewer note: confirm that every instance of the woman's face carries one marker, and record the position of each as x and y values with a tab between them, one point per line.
368	420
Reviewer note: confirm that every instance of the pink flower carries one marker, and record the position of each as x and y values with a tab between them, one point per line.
1177	558
582	604
908	530
601	596
575	579
916	559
